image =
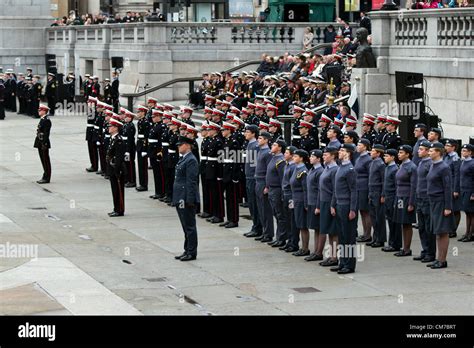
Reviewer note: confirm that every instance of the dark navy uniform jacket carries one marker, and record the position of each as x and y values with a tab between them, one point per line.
376	176
392	140
326	183
185	187
361	167
439	184
345	192
421	173
389	183
454	163
275	169
143	131
467	176
251	159
263	157
406	181
415	158
312	182
298	184
42	133
287	173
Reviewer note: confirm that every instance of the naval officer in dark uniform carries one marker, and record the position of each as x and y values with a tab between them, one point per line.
42	142
186	196
116	167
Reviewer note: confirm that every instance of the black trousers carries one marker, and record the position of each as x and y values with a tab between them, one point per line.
427	238
276	201
117	184
217	197
13	103
158	175
46	162
143	170
347	237
2	110
115	104
252	201
264	209
232	201
394	229
93	155
206	196
131	171
292	233
52	105
103	162
169	181
377	217
187	217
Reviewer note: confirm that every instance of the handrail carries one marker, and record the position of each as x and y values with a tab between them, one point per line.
191	79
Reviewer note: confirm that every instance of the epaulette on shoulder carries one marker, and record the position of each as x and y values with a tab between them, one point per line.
278	163
301	174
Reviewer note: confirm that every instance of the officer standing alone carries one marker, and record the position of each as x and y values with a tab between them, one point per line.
43	144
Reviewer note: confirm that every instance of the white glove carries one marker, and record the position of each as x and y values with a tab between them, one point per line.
219	179
235	182
144	154
98	143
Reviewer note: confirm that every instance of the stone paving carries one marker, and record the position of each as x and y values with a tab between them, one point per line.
88	263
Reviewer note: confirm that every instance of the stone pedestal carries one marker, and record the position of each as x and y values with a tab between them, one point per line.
22	34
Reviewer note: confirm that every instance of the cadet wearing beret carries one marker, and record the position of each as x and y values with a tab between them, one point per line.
441	203
312	191
419	132
452	159
327	223
466	174
434	135
376	207
388	199
299	202
405	200
427	239
333	133
344	209
273	180
361	167
291	231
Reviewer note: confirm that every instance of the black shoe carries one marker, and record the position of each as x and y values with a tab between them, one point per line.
329	262
252	234
260	237
232	225
167	200
278	244
265	239
224	224
106	177
99	172
43	181
141	188
345	271
313	257
180	256
370	243
244	205
427	259
301	252
402	253
112	212
377	245
154	196
335	269
439	264
91	170
291	249
364	239
205	215
215	220
284	247
388	249
452	235
272	242
115	214
419	258
130	184
188	258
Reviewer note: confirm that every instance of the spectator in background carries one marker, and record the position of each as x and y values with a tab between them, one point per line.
329	37
308	38
365	22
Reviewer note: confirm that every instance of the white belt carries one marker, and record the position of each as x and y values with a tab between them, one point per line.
90	125
212	158
141	136
296	136
152	140
171	151
165	144
124	138
323	144
96	127
107	135
228	161
203	158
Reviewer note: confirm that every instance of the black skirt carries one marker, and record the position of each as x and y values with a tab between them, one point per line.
440	223
401	214
363	200
300	215
313	219
327	222
467	205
